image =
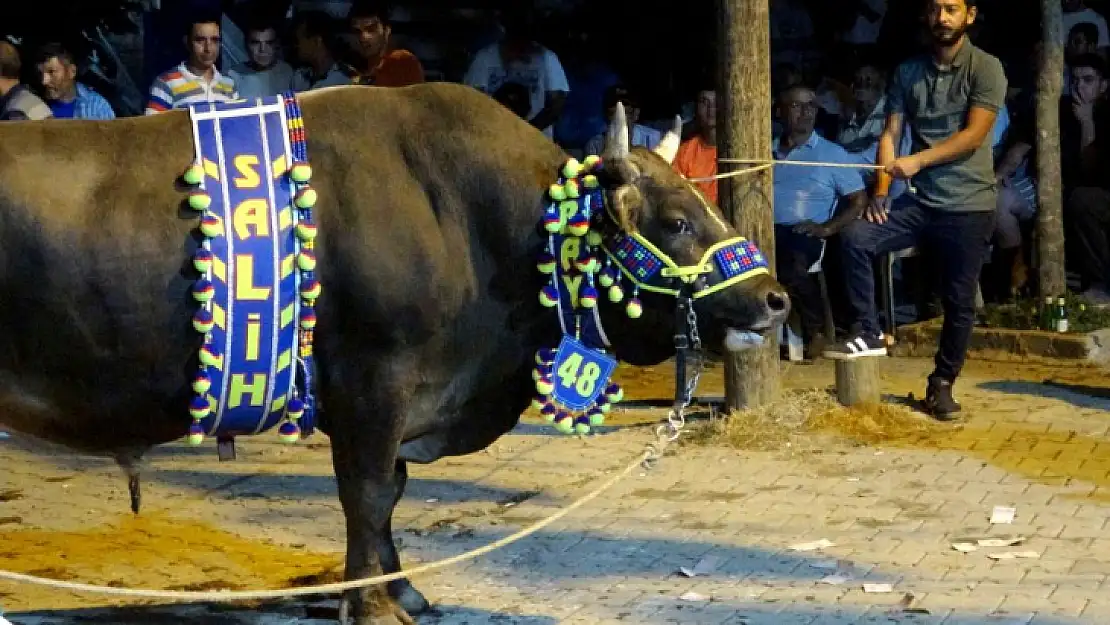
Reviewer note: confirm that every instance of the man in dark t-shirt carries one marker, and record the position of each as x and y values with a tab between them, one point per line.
948	100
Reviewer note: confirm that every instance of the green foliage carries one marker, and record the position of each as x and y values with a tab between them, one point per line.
1025	314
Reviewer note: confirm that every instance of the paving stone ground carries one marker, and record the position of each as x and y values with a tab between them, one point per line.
892	513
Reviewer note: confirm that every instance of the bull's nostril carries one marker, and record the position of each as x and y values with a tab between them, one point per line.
776	301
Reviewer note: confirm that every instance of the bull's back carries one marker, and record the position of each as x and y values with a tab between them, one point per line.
428	195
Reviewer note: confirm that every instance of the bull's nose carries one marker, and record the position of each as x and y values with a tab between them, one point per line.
778	302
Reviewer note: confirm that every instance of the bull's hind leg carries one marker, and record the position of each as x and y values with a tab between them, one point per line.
365	433
410	598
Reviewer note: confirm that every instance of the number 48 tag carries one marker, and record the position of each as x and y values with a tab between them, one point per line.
580	374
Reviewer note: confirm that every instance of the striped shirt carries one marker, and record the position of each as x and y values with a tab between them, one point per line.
178	88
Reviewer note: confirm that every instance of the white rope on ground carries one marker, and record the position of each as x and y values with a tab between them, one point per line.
178	596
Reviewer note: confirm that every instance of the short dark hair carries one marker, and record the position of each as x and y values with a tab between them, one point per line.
203	18
1087	29
54	50
369	9
10	64
315	24
1091	60
258	24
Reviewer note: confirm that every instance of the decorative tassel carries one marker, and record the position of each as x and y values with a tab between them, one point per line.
545	385
300	172
578	225
587	297
546	263
608	276
616	293
193	175
200	407
582	425
289	432
549	296
306	230
306	260
202	383
203	260
203	321
310	290
590	181
199	200
210	226
572	168
203	290
556	192
614	393
571	188
634	308
596	417
591	162
563	423
588	264
295	410
308	318
548	412
305	198
553	219
196	434
207	358
545	356
593	238
538	402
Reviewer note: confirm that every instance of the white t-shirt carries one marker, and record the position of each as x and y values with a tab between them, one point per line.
1086	15
541	73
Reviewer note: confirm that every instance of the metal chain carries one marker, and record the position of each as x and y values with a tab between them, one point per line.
669	432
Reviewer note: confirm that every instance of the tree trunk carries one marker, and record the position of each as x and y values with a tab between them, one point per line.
744	131
1050	212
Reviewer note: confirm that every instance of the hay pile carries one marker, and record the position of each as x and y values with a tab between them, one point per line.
789	424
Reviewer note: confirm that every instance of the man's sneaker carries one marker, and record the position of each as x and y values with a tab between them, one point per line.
938	400
857	347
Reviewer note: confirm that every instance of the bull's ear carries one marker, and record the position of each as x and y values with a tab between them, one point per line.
628	203
616	140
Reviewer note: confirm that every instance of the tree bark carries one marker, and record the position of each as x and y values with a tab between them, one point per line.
1050	212
744	131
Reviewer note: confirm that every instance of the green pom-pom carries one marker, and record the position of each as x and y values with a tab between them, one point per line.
195	437
591	162
581	428
590	181
306	231
544	386
634	308
593	238
300	172
572	168
616	293
556	192
306	260
207	358
193	175
199	200
572	189
565	425
305	198
201	384
597	418
310	291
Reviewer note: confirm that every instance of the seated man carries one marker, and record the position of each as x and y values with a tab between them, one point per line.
1084	163
697	156
638	133
805	199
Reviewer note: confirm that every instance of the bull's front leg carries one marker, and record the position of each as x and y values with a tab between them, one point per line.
401	590
364	452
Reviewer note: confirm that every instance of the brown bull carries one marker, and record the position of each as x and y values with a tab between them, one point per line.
430	197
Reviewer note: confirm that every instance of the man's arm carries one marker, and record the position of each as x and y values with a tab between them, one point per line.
888	151
979	123
555	87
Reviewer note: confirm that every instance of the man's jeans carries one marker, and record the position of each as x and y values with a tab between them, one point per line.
794	255
958	243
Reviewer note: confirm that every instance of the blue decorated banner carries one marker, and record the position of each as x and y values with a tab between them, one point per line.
250	352
580	374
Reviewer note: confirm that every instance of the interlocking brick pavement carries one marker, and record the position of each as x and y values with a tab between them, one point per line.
892	513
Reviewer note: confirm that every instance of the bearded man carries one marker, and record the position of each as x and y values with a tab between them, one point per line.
948	100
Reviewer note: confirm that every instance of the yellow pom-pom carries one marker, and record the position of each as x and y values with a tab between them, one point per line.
195	438
207	358
300	172
591	162
544	386
572	189
565	425
199	200
634	309
557	193
305	198
193	175
306	261
572	168
616	293
306	231
590	181
593	238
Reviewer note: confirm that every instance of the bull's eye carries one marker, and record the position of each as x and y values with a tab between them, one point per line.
676	226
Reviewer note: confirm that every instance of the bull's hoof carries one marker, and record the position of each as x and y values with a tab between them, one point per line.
411	600
385	612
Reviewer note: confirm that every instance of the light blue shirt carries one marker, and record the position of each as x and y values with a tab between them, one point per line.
805	193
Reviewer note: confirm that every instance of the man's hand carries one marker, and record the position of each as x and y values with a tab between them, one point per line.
877	209
904	167
1083	110
816	230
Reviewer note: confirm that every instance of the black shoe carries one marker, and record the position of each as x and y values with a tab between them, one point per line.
857	346
939	402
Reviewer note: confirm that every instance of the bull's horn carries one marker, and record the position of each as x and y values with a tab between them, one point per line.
616	140
668	145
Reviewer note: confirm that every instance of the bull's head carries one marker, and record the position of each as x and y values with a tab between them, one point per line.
737	306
